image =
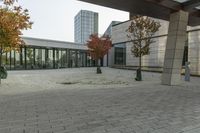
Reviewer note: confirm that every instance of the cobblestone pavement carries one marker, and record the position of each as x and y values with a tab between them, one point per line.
143	108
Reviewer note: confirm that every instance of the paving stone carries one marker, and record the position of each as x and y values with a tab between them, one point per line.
138	108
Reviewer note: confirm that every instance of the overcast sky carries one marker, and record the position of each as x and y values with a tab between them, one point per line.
54	19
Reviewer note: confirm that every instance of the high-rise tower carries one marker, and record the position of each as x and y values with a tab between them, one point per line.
85	24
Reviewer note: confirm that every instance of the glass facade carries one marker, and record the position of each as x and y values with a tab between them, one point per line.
86	23
33	57
120	54
185	56
49	59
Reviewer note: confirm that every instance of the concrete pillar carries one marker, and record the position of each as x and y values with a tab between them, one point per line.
54	59
76	58
105	60
85	57
68	58
175	48
111	57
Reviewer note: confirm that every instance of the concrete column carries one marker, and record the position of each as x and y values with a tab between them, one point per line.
76	58
54	59
111	57
105	60
175	48
85	57
68	58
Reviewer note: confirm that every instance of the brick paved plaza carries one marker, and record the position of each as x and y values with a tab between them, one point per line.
75	101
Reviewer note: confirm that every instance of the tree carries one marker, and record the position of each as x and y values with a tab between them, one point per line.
13	20
140	33
9	2
98	47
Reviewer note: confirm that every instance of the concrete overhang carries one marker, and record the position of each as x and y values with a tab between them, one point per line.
160	9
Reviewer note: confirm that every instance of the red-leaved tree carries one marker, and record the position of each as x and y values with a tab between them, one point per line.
98	47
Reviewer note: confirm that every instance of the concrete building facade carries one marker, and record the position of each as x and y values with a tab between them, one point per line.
85	24
109	58
155	60
179	13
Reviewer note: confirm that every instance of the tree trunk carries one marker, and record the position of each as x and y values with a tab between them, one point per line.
98	67
0	60
140	62
139	70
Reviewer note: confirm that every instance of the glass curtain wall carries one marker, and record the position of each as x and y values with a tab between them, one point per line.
29	58
57	58
23	59
120	54
72	58
185	56
82	59
38	58
8	62
17	60
49	58
90	62
63	59
45	58
4	59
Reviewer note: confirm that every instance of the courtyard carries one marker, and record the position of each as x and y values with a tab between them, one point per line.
78	100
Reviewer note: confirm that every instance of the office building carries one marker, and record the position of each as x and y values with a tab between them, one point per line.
85	24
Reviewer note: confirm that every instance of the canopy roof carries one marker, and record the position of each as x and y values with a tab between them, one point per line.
160	9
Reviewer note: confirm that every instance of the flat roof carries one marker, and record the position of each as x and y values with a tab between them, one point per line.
160	9
29	41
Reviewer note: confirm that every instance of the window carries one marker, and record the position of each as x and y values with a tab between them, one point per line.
120	54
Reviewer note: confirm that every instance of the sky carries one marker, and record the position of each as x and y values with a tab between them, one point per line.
54	19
